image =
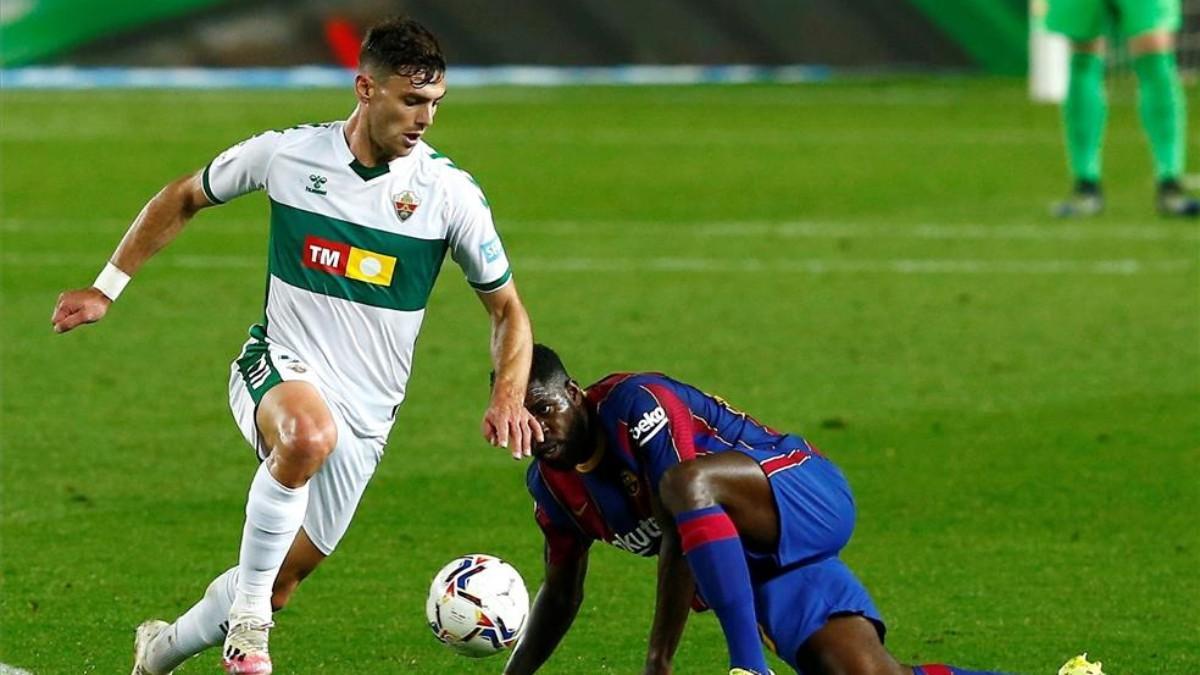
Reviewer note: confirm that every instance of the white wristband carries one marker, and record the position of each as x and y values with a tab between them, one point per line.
111	281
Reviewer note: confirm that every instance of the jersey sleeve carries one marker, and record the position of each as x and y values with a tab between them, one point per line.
563	544
564	541
659	425
240	169
474	243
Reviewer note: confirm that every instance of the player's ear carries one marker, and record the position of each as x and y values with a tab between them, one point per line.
575	392
364	86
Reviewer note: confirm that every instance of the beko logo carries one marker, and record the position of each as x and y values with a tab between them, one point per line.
651	423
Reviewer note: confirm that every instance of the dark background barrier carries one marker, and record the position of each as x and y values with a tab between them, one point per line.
850	33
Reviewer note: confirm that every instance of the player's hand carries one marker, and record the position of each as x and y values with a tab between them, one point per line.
507	424
80	306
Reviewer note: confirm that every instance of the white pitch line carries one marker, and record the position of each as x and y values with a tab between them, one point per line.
816	266
817	230
802	229
799	229
6	669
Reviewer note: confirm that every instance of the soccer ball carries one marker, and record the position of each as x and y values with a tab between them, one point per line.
477	605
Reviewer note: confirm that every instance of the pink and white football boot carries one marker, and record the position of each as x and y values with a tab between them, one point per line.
246	647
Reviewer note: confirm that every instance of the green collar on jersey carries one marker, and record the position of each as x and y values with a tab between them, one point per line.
368	172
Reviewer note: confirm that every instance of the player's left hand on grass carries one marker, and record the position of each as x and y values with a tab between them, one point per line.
509	425
77	307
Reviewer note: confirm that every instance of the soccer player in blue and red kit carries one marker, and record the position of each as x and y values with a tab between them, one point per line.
745	520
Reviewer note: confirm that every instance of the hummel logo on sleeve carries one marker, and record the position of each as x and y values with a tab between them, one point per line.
651	423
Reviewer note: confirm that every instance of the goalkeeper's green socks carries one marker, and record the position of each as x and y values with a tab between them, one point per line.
1162	107
1084	116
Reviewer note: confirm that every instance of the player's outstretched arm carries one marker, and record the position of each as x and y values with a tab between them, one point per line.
506	423
554	609
676	588
159	222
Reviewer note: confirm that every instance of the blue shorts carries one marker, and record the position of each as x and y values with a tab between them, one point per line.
799	602
815	507
802	584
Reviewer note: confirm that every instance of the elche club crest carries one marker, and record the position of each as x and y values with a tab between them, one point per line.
406	204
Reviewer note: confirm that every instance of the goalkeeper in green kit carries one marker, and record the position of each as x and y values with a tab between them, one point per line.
1149	28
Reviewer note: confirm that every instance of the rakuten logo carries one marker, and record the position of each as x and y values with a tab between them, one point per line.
643	540
651	423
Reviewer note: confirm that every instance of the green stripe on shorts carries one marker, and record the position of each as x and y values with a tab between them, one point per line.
257	369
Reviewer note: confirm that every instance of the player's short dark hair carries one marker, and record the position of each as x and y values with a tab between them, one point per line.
545	367
401	46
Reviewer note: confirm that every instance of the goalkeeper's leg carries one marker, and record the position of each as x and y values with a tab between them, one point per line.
1163	111
1084	116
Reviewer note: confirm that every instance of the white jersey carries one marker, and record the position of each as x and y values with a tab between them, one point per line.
353	255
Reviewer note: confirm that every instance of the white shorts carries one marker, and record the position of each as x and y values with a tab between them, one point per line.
335	490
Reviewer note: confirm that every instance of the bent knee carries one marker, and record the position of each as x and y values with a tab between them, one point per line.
1095	46
685	487
1152	42
306	440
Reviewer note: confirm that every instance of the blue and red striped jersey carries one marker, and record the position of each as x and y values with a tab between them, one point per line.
651	423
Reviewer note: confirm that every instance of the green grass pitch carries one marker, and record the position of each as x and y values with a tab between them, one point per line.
867	263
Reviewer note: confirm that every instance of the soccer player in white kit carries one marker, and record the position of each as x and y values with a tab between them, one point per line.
362	215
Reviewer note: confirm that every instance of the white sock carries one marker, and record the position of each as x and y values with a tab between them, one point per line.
199	628
274	514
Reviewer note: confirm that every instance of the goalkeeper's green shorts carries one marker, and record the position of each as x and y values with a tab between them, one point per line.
1083	20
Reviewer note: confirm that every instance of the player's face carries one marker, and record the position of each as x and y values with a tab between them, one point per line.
563	416
400	111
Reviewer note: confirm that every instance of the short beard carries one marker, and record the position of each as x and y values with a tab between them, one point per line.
579	445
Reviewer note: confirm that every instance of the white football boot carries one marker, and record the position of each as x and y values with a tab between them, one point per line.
246	647
142	637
